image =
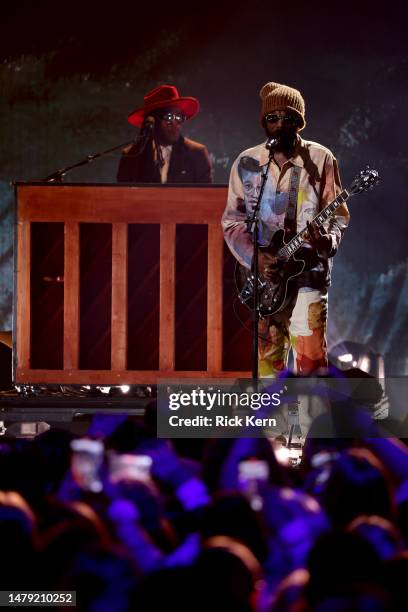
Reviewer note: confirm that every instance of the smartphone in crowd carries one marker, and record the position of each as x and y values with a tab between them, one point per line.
253	469
251	473
86	464
129	467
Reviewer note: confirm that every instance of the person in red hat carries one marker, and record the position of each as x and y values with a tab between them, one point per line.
162	154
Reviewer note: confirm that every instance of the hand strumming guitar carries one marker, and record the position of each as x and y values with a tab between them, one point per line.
267	265
318	238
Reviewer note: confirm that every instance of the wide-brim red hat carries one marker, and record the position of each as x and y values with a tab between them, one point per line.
161	97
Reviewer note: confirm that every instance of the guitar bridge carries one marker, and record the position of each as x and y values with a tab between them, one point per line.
247	292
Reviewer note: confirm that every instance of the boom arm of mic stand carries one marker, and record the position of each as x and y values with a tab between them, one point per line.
59	174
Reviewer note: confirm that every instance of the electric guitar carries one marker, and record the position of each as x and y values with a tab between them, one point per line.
274	294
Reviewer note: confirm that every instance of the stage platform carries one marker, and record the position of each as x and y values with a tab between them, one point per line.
60	409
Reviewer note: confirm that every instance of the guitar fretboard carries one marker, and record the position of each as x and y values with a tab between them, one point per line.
296	242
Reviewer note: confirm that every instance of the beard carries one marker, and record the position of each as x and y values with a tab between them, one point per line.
286	137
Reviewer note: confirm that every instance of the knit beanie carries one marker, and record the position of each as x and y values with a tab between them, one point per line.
275	96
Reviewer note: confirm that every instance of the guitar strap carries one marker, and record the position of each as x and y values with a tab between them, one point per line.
290	218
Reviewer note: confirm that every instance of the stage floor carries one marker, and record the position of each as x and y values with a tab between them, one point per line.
62	410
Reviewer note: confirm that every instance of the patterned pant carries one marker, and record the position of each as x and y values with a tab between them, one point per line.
300	327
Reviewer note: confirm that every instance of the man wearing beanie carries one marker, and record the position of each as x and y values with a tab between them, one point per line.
303	178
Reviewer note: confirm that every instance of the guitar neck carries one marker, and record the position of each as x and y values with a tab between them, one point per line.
293	245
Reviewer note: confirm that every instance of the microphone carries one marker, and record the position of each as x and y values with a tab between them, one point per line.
146	132
271	143
148	124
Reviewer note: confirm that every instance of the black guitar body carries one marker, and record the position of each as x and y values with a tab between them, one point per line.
293	257
274	294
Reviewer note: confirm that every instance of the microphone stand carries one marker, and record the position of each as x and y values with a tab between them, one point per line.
253	227
58	175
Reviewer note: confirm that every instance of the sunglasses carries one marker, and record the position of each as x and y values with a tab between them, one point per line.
169	117
288	119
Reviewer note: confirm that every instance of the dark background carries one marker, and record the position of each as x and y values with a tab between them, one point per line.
70	74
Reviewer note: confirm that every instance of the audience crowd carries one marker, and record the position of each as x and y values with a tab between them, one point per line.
133	522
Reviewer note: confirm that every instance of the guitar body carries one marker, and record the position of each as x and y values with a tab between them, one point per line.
293	257
273	294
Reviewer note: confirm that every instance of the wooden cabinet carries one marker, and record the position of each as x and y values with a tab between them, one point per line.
75	284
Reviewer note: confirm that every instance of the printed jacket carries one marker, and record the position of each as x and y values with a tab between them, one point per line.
319	185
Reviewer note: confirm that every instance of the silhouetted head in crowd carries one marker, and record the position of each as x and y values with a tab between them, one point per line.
175	588
150	507
128	436
53	450
294	521
35	468
229	574
348	597
215	452
338	561
357	485
103	580
17	531
360	598
150	418
70	530
394	580
403	520
231	515
380	533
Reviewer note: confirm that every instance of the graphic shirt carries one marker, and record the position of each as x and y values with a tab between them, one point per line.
319	185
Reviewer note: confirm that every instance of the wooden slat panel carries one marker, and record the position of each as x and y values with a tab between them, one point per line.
167	297
118	204
113	377
119	296
71	295
23	315
214	299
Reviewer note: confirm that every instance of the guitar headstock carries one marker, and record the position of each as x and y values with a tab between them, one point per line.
365	180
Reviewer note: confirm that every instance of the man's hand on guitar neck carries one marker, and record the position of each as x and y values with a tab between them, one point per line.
318	238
